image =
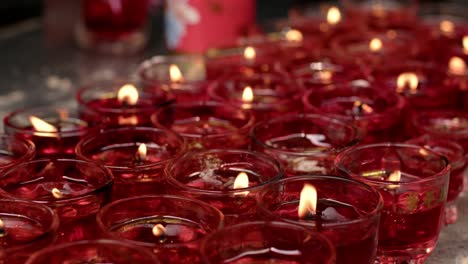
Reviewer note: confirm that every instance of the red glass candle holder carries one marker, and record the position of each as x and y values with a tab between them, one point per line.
55	131
74	189
305	144
25	227
377	113
347	212
414	183
456	156
450	125
183	77
227	179
266	95
137	169
118	27
171	226
207	125
423	85
93	251
134	107
15	150
267	242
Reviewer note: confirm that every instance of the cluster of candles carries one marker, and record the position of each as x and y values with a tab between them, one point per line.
340	139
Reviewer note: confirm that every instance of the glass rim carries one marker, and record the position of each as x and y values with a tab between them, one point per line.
27	156
317	236
376	211
220	193
59	201
106	242
444	172
205	103
206	207
91	138
357	133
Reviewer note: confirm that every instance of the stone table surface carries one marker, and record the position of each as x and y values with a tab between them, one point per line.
39	65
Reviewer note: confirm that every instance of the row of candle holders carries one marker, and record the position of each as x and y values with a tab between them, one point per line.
221	158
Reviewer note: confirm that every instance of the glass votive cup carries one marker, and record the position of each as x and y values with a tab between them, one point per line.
119	103
182	77
25	227
15	150
136	156
304	143
207	124
170	226
413	182
267	242
456	156
265	95
347	212
443	22
377	113
93	251
452	125
116	27
74	189
55	131
227	179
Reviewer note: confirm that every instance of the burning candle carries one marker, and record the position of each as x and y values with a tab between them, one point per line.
456	156
25	227
54	130
266	95
122	150
377	113
305	144
181	76
171	226
74	189
347	212
267	242
207	125
14	150
122	104
218	177
93	251
413	182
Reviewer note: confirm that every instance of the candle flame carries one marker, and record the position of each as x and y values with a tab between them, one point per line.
241	181
247	95
365	107
128	94
447	27
249	53
375	44
457	66
42	126
175	74
465	44
394	177
294	35
2	225
407	80
308	201
333	15
158	230
57	193
128	121
142	150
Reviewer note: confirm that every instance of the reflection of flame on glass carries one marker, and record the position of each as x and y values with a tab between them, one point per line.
423	151
241	181
407	80
142	150
360	106
158	230
333	15
128	121
465	44
2	228
457	66
42	126
375	45
175	74
249	53
57	193
294	35
308	201
394	177
128	94
447	27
